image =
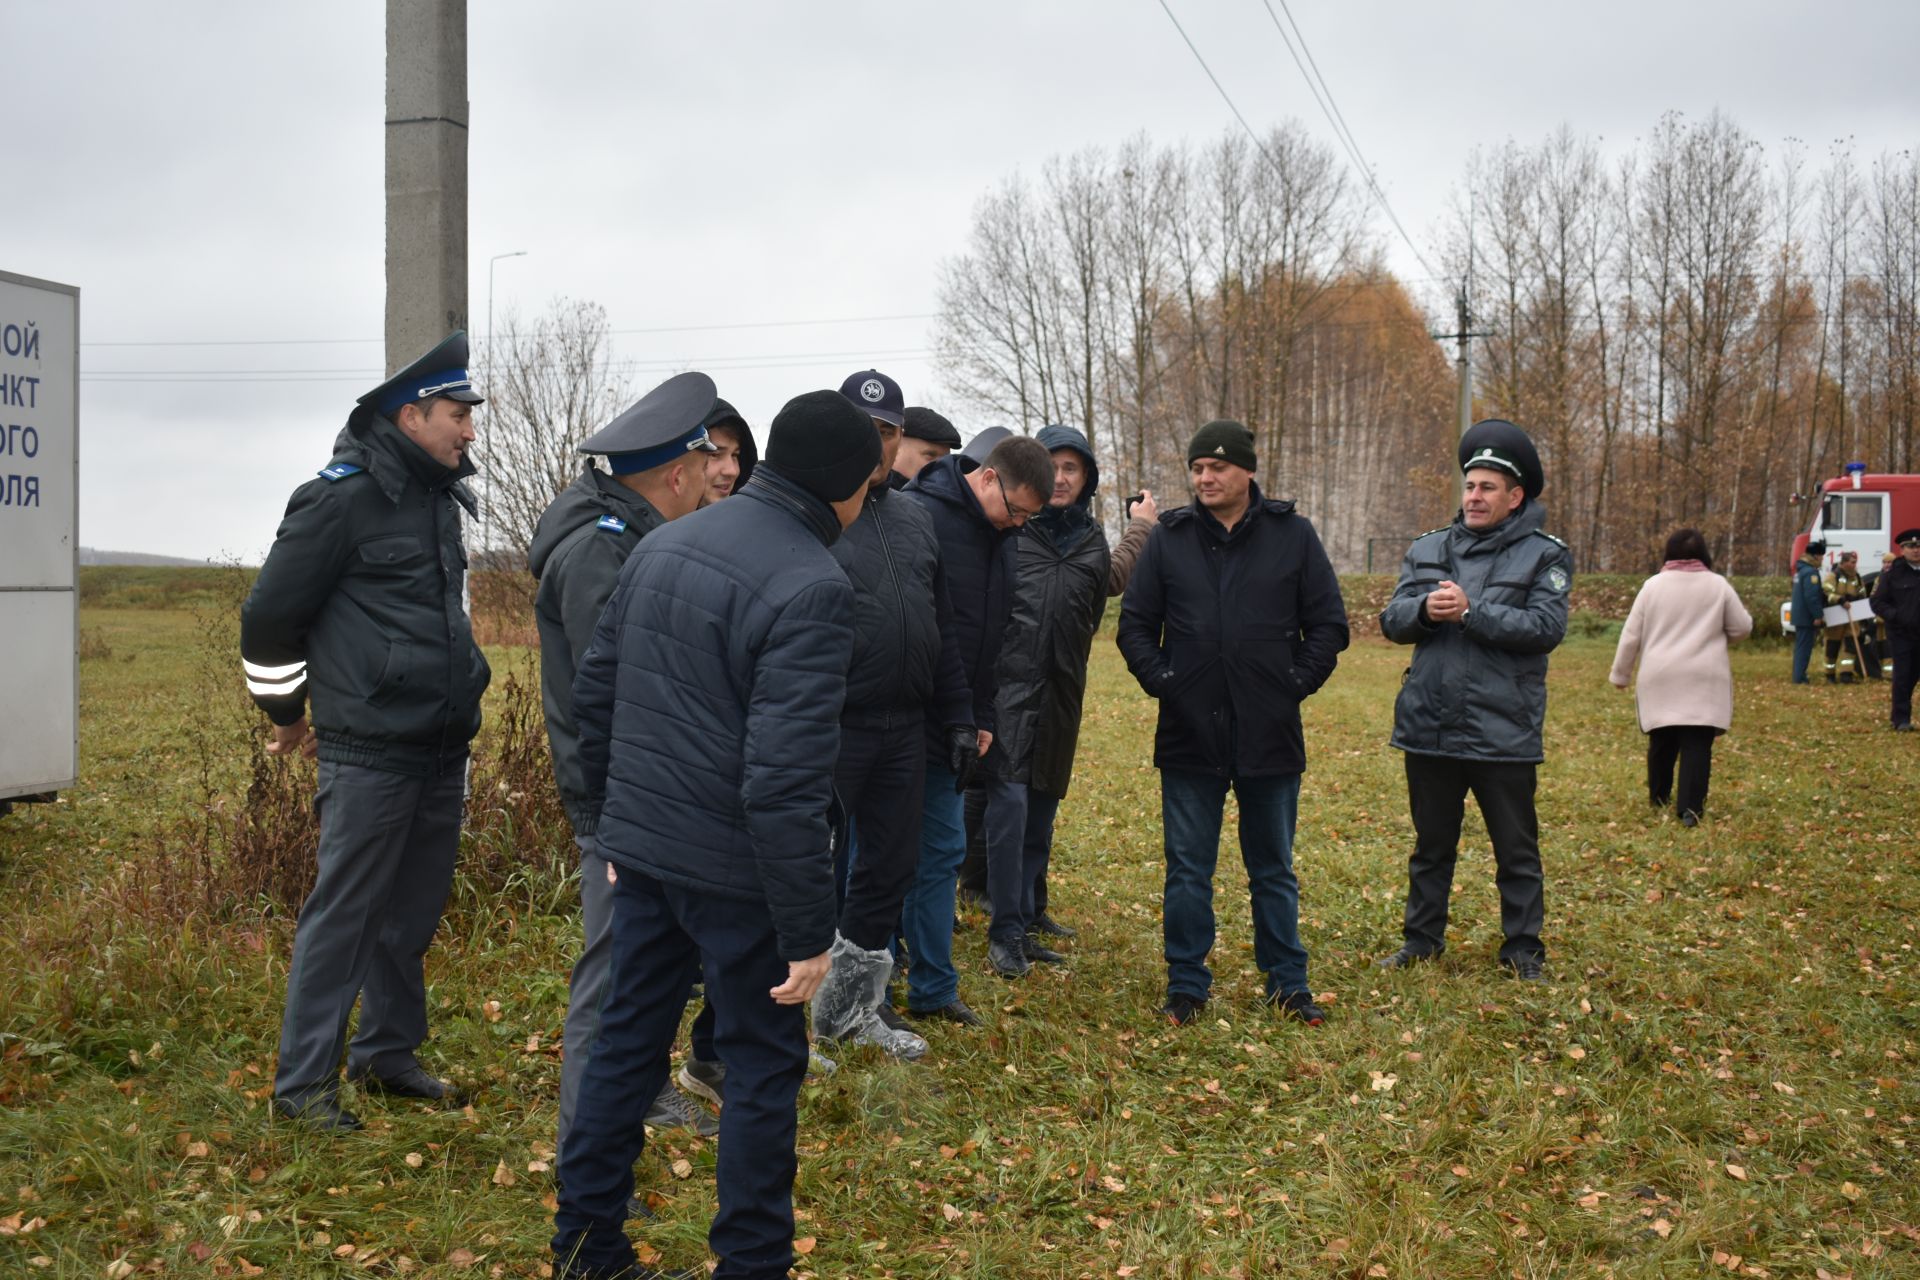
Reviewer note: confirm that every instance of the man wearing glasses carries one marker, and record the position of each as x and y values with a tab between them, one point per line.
977	509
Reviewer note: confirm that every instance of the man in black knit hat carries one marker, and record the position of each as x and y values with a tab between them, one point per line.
708	707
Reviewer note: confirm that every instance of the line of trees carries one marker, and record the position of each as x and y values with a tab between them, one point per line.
1694	332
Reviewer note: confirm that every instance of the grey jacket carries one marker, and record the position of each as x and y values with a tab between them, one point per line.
578	547
1477	690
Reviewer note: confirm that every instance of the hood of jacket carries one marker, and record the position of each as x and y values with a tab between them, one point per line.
945	480
1061	437
592	495
371	440
725	415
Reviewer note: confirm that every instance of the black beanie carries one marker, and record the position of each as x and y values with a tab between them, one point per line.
824	444
1225	439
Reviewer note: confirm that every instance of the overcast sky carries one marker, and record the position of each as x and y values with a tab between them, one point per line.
210	175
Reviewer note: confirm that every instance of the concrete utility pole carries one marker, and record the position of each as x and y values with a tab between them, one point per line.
426	175
1464	360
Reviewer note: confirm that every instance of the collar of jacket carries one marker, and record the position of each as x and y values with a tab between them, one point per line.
1257	504
620	500
774	489
374	442
1520	524
945	479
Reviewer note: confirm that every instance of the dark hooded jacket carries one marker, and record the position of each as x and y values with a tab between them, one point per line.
1232	630
580	543
708	706
905	658
1059	595
978	561
1477	690
725	415
360	611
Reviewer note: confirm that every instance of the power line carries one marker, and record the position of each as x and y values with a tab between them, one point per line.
1331	110
679	328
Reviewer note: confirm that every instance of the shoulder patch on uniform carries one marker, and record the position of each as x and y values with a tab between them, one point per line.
612	524
1550	538
339	471
1557	578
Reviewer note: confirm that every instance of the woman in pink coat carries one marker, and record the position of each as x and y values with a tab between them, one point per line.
1679	628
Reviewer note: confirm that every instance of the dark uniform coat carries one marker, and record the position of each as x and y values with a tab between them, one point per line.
359	609
578	547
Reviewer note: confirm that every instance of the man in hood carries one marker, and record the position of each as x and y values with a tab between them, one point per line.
730	465
359	611
1482	601
657	454
1232	620
1065	575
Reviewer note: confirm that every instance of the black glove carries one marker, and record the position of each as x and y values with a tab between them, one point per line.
963	754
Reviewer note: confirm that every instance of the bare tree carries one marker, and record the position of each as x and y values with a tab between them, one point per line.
549	384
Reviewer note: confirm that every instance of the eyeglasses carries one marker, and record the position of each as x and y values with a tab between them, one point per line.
1019	515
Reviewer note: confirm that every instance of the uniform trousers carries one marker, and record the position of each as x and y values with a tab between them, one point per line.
1437	788
657	931
388	842
880	777
588	983
1905	646
1691	745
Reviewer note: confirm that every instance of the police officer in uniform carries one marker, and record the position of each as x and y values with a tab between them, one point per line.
656	453
1483	601
1896	601
1808	608
358	612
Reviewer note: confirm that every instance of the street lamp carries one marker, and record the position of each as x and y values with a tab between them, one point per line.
517	253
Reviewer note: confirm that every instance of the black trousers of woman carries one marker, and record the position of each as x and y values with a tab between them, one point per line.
1692	746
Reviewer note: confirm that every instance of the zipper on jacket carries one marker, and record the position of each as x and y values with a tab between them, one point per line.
893	575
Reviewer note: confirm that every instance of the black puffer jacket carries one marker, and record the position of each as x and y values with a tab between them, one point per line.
581	542
1477	690
979	564
359	608
904	655
1232	631
1059	595
709	706
1896	597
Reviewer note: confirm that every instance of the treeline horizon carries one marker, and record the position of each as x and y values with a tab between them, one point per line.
1694	331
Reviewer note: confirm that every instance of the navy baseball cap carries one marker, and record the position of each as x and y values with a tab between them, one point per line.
878	394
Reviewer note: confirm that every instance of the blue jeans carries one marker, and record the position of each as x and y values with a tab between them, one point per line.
1019	837
926	917
1191	805
656	933
1804	639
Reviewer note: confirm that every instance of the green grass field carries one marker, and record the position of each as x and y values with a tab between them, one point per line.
1720	1077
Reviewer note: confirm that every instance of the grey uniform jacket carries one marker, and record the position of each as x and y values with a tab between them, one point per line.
1477	690
581	542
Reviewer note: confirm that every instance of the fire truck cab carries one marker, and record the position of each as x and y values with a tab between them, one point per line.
1859	512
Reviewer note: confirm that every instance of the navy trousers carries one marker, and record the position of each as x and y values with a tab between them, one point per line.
656	930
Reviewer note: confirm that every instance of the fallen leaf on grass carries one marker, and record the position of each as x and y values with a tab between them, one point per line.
950	1213
462	1258
1112	1183
491	1010
681	1168
1662	1228
503	1176
1850	1191
1383	1082
1378	1271
538	1166
1781	1086
414	1159
1461	1171
1576	1052
1731	1261
197	1150
119	1269
344	1251
804	1245
1125	1271
1737	1173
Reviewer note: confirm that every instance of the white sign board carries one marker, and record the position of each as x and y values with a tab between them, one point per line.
39	534
1836	615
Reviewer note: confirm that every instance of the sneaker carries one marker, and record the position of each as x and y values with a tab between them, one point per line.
1527	968
705	1079
1007	960
1042	955
955	1010
1298	1005
1403	958
671	1110
1046	926
1181	1008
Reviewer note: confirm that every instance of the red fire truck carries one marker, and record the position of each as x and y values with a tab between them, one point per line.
1860	512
